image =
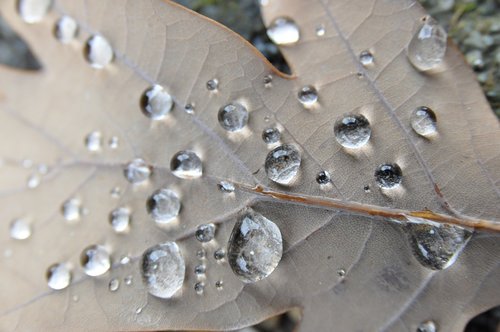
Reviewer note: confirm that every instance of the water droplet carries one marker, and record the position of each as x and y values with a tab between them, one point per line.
163	269
98	52
125	260
226	187
120	219
189	108
201	254
156	102
219	254
219	284
341	273
308	96
33	11
271	135
436	247
233	117
205	232
366	58
367	189
199	269
255	247
137	171
323	177
66	29
58	276
352	131
72	209
93	141
115	192
114	284
199	287
427	48
128	280
95	260
213	84
268	80
283	31
428	326
114	142
20	229
320	30
186	165
423	121
282	164
163	206
33	181
138	310
388	176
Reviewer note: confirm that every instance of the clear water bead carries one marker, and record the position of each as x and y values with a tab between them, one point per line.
66	29
323	177
20	229
95	260
423	121
72	209
213	84
114	284
219	285
137	171
308	96
427	48
219	254
156	102
268	80
163	206
186	165
33	181
199	269
366	58
33	11
271	135
199	287
120	219
282	164
233	116
255	247
226	187
163	269
428	326
388	176
128	280
93	141
283	31
98	52
205	232
352	131
320	30
58	276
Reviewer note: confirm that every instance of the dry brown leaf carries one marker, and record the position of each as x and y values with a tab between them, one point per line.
46	115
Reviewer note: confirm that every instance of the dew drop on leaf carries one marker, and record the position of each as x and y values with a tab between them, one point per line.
199	269
341	273
20	229
72	209
428	326
352	131
283	31
423	121
255	247
114	284
219	254
189	108
323	177
233	116
271	135
98	52
388	176
205	232
163	206
137	171
213	84
427	48
95	260
163	269
58	276
308	96
282	164
66	29
366	58
120	219
33	11
156	102
199	287
226	187
186	165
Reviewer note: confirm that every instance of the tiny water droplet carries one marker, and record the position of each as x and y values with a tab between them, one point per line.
255	247
367	189
137	171
427	48
33	181
66	29
428	326
388	176
58	276
95	260
138	310
219	284
341	273
323	177
199	287
352	131
205	232
199	269
114	284
75	298
201	254
213	84
366	58
93	141
219	254
268	80
128	280
189	108
156	102
271	135
72	209
33	11
20	229
163	269
125	260
282	164
98	52
308	96
233	117
226	187
120	219
186	165
114	142
115	192
163	206
423	121
283	31
320	30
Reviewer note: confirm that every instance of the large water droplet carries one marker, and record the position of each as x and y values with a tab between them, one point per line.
308	96
163	269
95	260
427	48
98	52
58	276
436	247
72	209
283	31
93	141
233	116
137	171
423	121
120	219
186	165
156	102
428	326
271	135
282	164
66	29
388	176
352	131
205	232
33	11
20	229
255	247
366	58
163	206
